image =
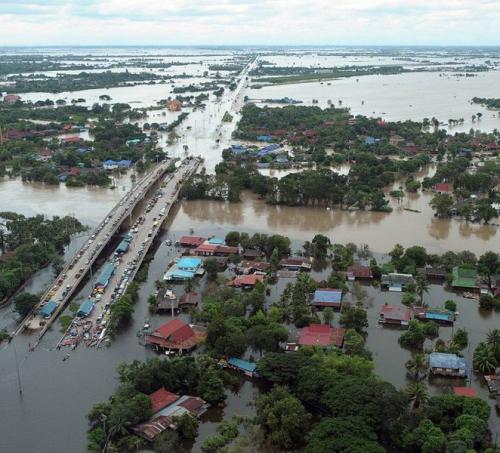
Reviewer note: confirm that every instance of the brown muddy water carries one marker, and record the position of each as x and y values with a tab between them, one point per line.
50	414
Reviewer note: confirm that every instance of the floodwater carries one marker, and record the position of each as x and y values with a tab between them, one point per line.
49	416
400	97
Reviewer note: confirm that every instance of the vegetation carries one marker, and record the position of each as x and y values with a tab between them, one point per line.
34	242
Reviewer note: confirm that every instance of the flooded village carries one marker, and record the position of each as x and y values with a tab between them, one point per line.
214	270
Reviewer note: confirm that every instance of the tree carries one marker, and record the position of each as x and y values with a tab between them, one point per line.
353	318
186	425
328	315
442	203
418	394
408	299
493	341
416	365
485	211
274	261
488	264
414	337
320	246
211	387
460	339
431	329
24	303
266	337
484	359
450	305
354	344
343	434
211	268
422	286
233	238
282	418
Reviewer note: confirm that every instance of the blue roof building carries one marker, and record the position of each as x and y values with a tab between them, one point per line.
216	241
48	309
124	163
188	263
327	298
105	274
264	138
370	141
448	364
85	308
238	149
268	149
245	366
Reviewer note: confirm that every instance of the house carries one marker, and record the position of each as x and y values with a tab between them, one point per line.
243	366
396	140
465	391
268	150
165	406
442	187
216	241
110	165
251	254
264	138
395	315
396	282
322	335
358	272
433	273
253	267
246	281
370	141
44	155
11	98
205	249
226	250
296	264
191	241
174	105
188	300
70	140
85	308
435	314
464	278
125	163
327	298
493	383
174	335
238	149
445	364
189	264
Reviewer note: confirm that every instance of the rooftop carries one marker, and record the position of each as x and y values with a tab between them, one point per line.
465	391
161	399
444	360
327	297
322	335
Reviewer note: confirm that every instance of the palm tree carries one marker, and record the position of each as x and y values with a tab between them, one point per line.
422	286
493	340
418	394
415	365
484	359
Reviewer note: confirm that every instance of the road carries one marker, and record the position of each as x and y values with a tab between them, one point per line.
143	234
68	280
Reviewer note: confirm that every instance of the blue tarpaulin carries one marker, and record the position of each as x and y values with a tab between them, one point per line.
105	274
85	308
48	309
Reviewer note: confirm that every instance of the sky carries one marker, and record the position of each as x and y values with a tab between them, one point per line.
253	22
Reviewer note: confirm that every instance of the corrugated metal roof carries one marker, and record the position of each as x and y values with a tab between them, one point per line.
444	360
85	308
48	309
328	296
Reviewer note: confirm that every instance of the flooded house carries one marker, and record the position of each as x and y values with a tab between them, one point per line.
445	364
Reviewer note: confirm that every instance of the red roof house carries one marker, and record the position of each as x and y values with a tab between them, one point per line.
73	139
465	391
395	314
161	399
322	335
225	250
205	249
11	98
358	272
442	187
246	281
191	241
174	335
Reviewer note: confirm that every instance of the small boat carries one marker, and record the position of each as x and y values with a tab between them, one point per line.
168	242
468	295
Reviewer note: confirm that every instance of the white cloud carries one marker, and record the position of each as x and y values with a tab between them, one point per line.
28	22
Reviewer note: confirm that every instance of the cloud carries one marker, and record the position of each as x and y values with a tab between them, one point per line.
101	22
